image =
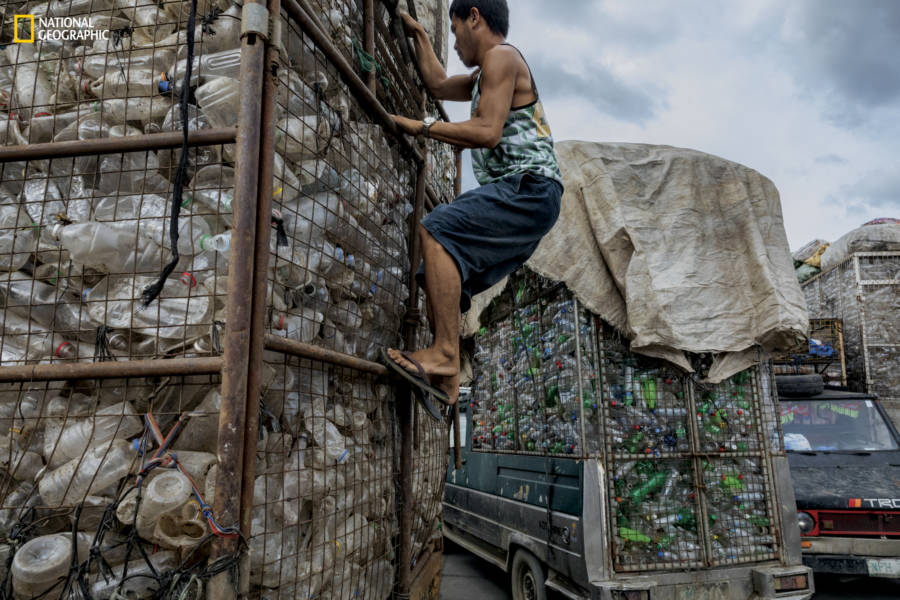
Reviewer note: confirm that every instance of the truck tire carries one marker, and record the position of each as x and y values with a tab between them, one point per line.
795	386
527	577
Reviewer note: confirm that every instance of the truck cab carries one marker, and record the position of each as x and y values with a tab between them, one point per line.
844	456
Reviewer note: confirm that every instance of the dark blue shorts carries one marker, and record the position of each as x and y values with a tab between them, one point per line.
492	230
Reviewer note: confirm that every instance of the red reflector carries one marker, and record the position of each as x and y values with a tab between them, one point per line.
793	582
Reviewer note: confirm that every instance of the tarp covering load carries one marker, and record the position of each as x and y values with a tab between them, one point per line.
679	250
879	235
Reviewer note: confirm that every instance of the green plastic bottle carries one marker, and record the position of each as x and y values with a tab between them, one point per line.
686	519
633	536
633	444
648	388
653	485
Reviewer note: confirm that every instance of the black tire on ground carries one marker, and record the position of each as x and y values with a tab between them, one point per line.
794	386
527	577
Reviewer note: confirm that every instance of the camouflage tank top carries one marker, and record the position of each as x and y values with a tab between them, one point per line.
526	145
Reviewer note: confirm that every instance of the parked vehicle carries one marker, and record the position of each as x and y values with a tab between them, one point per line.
602	474
844	455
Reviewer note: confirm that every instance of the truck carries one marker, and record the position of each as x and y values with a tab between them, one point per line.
844	455
600	473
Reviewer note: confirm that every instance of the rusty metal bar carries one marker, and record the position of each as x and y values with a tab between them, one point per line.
112	369
406	49
113	145
457	180
457	452
405	405
233	410
260	272
298	11
295	348
369	42
431	198
405	409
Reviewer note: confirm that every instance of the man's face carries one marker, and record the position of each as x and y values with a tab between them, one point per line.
462	31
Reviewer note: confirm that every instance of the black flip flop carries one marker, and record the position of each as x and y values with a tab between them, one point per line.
420	381
430	408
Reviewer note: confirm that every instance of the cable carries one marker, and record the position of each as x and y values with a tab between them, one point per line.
152	291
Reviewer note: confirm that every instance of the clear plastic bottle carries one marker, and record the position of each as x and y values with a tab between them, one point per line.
219	99
143	109
115	247
183	307
212	190
117	83
301	138
153	214
226	63
101	466
116	421
303	327
43	127
154	60
148	19
33	91
41	564
330	439
142	578
17	240
227	28
47	305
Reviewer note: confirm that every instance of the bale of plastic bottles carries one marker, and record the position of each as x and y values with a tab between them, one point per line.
107	486
689	482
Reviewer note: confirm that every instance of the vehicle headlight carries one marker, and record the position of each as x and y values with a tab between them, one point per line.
806	522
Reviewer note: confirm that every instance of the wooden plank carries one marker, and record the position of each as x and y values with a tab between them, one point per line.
426	581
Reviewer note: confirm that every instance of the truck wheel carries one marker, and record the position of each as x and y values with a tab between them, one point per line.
527	577
794	386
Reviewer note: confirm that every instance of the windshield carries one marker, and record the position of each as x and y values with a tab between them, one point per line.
837	425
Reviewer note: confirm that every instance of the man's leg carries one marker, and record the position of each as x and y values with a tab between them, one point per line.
443	288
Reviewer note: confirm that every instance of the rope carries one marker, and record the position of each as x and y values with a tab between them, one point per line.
151	292
367	64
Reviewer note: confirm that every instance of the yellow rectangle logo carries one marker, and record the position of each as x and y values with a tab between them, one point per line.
16	19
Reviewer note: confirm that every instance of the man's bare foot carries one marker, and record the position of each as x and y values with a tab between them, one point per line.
436	362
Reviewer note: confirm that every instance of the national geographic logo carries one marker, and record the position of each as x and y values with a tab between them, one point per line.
29	28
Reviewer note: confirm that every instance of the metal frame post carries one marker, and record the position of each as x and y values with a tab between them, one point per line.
235	368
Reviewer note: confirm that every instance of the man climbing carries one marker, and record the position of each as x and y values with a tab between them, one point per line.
489	232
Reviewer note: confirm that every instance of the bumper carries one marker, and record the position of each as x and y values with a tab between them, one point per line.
852	556
757	583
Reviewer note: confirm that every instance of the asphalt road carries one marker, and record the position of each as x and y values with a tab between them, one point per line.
467	577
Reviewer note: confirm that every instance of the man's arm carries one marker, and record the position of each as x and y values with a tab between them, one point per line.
458	87
485	129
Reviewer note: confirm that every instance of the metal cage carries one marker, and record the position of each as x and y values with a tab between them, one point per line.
207	229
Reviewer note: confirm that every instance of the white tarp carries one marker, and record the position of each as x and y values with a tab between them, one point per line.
679	250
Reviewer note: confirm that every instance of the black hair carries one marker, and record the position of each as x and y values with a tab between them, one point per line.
494	12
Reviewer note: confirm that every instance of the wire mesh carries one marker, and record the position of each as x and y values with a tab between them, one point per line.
863	293
324	523
530	391
687	461
117	473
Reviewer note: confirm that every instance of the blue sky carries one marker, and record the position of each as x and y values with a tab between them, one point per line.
806	92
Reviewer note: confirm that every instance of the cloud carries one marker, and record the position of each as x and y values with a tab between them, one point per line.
878	190
831	159
845	54
598	85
